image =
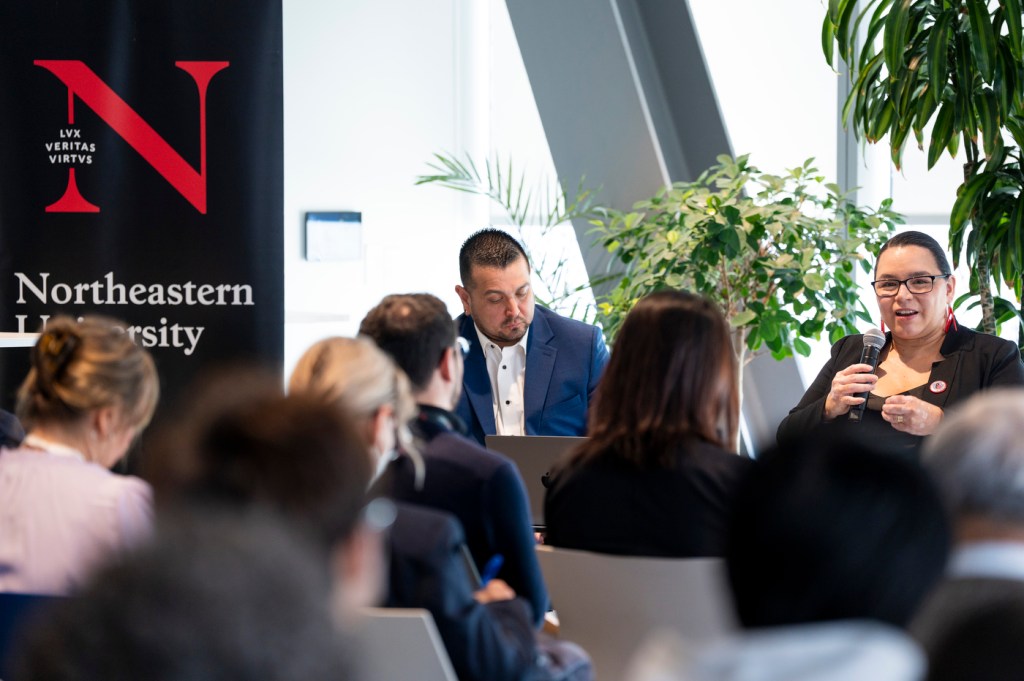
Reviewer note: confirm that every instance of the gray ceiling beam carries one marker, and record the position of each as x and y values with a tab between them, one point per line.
626	101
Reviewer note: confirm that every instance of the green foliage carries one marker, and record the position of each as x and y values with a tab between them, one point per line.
956	64
958	61
777	252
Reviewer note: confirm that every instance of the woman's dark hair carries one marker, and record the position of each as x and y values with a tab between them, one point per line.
834	528
671	379
922	240
241	444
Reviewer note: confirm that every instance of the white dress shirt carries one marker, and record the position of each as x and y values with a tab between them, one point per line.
506	367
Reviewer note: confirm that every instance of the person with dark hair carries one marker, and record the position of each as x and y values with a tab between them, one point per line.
241	444
479	487
89	392
238	598
657	475
928	361
833	543
307	460
834	528
977	458
529	371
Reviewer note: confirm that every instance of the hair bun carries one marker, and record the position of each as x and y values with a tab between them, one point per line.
54	351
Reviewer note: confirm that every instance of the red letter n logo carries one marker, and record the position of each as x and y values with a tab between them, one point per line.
82	82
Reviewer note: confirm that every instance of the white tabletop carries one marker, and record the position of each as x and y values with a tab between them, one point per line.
17	340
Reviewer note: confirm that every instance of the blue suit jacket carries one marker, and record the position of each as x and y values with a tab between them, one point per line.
483	490
564	361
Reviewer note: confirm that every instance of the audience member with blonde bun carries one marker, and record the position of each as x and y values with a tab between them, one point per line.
89	392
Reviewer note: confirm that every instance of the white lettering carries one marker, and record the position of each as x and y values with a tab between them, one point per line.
61	294
23	281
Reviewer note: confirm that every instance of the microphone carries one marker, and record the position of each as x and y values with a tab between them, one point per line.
873	342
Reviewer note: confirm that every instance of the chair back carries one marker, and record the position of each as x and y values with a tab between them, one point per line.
610	605
402	643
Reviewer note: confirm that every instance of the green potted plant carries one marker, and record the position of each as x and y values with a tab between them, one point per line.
777	252
956	64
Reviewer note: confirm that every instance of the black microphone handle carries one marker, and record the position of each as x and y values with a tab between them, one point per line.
867	356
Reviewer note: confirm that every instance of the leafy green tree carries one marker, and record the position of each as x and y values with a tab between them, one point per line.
777	252
956	65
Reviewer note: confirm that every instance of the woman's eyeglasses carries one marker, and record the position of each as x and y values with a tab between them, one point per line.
922	283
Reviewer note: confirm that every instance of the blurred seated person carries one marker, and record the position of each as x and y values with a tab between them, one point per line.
89	392
833	545
220	598
487	631
928	363
977	458
481	488
658	473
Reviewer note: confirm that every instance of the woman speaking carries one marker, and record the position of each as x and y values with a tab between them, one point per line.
926	364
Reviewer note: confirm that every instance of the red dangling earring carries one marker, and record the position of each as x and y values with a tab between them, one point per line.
950	319
882	324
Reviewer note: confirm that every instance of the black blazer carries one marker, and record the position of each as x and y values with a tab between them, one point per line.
971	362
611	506
489	642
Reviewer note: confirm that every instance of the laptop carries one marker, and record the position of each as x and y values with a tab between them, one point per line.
534	456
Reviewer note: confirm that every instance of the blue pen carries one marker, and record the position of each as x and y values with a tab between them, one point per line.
490	570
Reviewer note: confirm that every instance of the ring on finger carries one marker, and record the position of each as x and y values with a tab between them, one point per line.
899	418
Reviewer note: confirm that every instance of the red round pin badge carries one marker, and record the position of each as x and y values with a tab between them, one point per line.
938	387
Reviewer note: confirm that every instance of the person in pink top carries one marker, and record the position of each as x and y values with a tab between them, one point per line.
89	392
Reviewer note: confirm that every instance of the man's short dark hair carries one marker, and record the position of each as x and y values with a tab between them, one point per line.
415	329
219	598
244	445
832	528
488	248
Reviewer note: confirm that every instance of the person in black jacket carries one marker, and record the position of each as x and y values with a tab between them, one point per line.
481	488
657	475
928	363
488	629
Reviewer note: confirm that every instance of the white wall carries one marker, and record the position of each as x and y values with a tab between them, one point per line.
371	90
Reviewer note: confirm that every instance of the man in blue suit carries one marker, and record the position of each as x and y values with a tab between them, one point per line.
529	371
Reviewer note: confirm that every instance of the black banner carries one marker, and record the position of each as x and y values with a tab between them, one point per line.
141	176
